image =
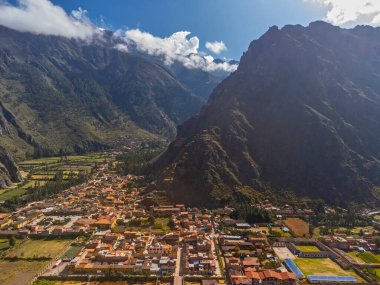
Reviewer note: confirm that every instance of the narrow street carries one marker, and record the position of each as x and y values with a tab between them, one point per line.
177	273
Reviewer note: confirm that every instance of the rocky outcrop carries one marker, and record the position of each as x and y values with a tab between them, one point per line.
9	172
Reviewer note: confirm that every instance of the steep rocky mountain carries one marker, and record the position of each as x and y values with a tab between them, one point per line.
9	172
301	113
57	93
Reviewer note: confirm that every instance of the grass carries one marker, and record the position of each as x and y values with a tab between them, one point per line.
4	244
72	252
12	193
38	248
307	248
161	224
375	272
355	255
20	271
47	282
44	169
322	266
366	257
299	227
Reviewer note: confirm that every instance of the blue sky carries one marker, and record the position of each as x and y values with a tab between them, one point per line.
235	22
219	28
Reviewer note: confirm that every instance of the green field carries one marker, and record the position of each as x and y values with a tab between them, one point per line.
72	251
366	257
161	224
307	248
7	194
322	266
375	272
26	264
4	244
44	169
46	282
38	249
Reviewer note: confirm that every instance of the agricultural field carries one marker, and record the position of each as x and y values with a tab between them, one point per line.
375	272
20	271
38	249
322	266
38	172
46	282
299	227
366	257
307	248
27	255
355	231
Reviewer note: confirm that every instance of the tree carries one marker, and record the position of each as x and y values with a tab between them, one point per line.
12	241
171	224
151	220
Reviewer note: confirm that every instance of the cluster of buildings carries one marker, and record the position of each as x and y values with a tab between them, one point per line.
132	253
127	233
285	210
350	243
79	210
243	265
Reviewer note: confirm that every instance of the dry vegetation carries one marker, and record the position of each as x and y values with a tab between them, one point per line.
299	227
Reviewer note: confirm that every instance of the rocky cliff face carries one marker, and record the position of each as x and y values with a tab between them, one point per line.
9	172
301	113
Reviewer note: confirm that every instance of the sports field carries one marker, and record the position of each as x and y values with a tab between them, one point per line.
322	266
307	248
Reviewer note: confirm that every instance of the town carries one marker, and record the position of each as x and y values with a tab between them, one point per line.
110	229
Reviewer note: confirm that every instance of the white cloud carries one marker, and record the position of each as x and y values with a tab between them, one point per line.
176	48
351	12
216	47
43	17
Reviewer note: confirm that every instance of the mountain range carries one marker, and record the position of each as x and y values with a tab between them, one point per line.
301	113
64	94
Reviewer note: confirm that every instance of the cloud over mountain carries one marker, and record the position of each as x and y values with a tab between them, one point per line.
176	48
43	17
216	47
341	12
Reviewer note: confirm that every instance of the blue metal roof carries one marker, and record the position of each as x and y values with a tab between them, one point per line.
317	278
294	268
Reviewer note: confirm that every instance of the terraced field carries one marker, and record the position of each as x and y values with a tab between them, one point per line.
38	172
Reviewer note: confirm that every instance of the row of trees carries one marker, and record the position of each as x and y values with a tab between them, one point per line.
136	162
251	214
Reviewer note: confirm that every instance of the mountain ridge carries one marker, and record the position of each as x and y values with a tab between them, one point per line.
58	93
301	113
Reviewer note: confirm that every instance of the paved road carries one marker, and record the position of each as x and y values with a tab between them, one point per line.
218	271
177	278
